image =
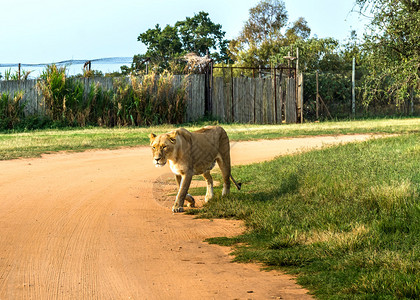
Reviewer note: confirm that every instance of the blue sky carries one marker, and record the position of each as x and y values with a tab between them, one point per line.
47	31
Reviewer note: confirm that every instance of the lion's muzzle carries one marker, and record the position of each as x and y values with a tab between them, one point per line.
159	162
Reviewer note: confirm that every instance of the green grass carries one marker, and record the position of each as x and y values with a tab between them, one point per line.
345	219
34	143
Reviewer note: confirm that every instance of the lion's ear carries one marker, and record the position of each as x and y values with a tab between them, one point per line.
152	137
172	136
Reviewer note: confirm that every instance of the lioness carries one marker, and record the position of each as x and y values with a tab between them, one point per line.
193	153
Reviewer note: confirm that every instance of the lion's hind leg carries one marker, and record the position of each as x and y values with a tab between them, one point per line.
225	168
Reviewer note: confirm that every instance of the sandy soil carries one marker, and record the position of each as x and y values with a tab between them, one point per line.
98	225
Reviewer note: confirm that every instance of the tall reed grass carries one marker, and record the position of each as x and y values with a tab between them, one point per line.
11	109
148	100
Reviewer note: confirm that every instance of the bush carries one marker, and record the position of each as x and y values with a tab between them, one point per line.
335	90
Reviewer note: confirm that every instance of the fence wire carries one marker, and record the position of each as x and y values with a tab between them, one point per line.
108	60
73	66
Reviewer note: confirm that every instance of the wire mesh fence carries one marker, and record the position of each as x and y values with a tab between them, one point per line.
73	66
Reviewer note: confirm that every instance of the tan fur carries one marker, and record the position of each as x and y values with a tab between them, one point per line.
193	153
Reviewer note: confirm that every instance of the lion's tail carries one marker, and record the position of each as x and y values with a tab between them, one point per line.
238	185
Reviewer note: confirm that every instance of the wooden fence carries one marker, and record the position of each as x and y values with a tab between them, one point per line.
268	99
32	96
254	100
237	99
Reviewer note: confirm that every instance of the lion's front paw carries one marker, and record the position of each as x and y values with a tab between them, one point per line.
177	209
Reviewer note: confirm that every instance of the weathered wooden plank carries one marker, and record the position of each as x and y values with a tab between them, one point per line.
270	107
251	100
300	97
189	99
215	102
259	86
265	102
240	99
194	100
235	99
197	97
220	99
246	99
279	101
202	100
290	103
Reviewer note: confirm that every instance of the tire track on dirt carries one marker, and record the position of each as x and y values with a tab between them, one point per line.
88	226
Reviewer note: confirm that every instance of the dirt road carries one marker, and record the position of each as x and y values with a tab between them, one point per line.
91	226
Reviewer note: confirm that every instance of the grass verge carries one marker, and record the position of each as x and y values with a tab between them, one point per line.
34	143
345	219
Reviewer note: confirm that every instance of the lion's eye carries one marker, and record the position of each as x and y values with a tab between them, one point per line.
154	148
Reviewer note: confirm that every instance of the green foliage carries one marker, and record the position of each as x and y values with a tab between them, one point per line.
299	31
314	54
64	98
151	99
266	20
392	51
388	71
262	35
196	34
199	35
11	110
344	219
335	90
9	75
162	44
54	89
95	73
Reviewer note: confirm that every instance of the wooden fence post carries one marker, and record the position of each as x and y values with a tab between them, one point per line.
231	89
211	87
353	89
300	95
317	96
275	95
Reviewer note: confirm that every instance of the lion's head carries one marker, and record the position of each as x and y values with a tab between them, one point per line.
163	147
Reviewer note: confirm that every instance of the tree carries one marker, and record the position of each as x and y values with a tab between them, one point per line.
261	34
200	35
352	49
160	43
262	37
197	34
392	49
299	31
265	22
